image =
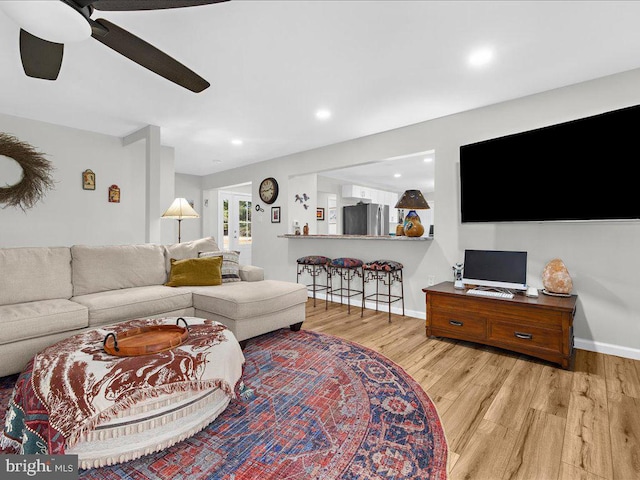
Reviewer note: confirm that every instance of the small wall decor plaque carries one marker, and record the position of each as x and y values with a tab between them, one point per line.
114	194
88	180
320	214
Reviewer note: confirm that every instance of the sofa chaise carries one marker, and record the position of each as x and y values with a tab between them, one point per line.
50	293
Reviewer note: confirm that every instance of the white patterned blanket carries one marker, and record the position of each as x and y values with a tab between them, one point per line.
81	385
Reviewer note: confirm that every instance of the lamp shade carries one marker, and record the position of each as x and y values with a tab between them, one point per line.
413	200
180	209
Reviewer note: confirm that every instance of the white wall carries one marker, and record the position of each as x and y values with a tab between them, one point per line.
335	200
68	214
599	256
189	187
301	211
167	193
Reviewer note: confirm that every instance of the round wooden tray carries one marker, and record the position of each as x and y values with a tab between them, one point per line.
145	340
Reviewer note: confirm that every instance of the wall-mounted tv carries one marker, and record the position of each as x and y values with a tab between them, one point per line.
578	170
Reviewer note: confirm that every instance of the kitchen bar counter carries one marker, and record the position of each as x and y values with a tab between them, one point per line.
356	237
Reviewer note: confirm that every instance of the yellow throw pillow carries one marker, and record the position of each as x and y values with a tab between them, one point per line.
195	272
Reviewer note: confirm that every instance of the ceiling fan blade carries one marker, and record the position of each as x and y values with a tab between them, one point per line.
80	3
40	58
146	55
129	5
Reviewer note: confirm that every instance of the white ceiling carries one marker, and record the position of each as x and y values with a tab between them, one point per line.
377	65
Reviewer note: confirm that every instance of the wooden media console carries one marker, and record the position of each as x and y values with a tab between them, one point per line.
541	327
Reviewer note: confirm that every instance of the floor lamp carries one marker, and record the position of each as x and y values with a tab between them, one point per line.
180	209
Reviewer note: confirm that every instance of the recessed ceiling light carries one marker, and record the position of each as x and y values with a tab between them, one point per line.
480	57
236	141
397	175
428	159
323	114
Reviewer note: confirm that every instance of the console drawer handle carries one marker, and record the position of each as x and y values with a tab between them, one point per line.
455	323
524	336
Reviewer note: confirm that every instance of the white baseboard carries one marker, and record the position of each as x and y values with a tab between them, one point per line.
357	302
607	348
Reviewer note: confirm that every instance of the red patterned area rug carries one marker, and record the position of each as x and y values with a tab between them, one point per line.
322	408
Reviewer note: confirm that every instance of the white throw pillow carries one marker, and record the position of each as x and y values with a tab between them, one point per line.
230	264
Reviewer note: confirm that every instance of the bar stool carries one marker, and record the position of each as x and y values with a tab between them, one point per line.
314	265
347	268
389	272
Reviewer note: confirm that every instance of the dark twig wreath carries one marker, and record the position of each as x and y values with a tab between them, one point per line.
36	174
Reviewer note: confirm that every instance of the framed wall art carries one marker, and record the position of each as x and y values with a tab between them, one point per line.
320	214
275	214
333	215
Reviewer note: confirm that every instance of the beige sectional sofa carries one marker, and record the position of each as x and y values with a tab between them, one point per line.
50	293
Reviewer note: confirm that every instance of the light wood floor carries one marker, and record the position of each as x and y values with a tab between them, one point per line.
505	415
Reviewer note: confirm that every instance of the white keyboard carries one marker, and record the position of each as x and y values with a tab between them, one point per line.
489	293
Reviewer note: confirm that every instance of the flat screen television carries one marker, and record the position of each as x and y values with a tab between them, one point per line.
495	268
578	170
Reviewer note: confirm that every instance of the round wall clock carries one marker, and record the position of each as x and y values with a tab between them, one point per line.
268	190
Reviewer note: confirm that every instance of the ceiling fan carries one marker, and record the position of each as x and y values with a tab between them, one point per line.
47	25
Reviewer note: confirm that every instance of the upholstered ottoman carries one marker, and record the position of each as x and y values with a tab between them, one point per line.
249	312
75	398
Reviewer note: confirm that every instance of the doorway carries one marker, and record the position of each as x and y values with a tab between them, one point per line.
235	227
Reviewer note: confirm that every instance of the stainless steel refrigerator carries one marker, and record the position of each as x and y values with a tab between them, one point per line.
365	219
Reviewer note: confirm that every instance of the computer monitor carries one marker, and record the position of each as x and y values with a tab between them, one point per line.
495	268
